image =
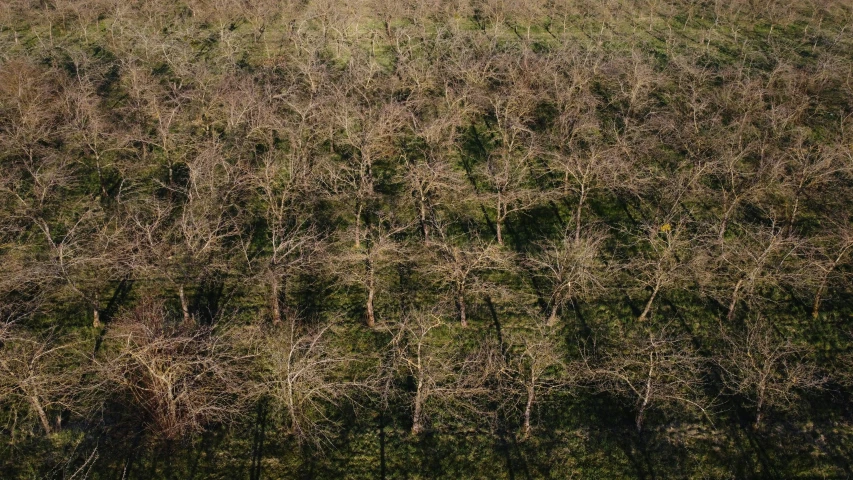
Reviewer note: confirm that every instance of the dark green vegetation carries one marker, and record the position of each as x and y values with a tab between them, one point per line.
378	239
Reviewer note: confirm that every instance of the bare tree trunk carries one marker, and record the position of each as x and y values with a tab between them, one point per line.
274	302
648	308
498	216
646	397
498	231
733	303
528	408
581	199
460	304
822	288
423	219
793	217
184	305
552	320
371	318
723	228
758	408
173	410
96	314
45	423
416	416
358	226
817	298
725	223
371	292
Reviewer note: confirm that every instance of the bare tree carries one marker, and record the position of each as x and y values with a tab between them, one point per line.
301	372
756	259
365	265
737	181
650	369
186	238
367	137
292	240
430	173
182	377
37	376
536	369
445	380
507	172
461	266
576	153
663	261
765	368
810	168
826	254
572	267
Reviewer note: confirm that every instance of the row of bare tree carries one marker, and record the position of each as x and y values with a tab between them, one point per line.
177	380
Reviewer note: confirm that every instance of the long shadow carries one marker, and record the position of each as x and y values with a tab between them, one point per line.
118	298
632	445
474	146
517	448
613	424
258	441
504	447
196	454
382	442
207	301
497	323
489	223
537	288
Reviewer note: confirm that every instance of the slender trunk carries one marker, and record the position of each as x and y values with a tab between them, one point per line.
758	408
793	217
578	214
498	231
822	288
640	417
423	218
173	412
45	423
528	408
460	304
648	308
184	305
274	301
552	320
416	416
733	303
647	396
358	226
96	314
817	297
725	223
498	216
291	408
371	318
371	292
